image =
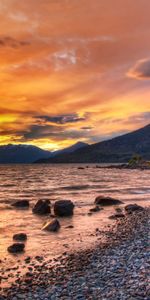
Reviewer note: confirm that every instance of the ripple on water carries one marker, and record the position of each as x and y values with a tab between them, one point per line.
63	182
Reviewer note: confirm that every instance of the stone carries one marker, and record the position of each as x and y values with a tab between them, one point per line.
42	207
53	225
21	204
20	237
117	216
16	248
132	208
63	208
70	226
95	209
105	201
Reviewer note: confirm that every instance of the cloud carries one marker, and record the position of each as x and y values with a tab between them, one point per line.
141	70
87	128
7	41
62	119
55	133
141	118
18	16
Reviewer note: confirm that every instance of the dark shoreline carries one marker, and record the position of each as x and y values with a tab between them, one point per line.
124	167
45	276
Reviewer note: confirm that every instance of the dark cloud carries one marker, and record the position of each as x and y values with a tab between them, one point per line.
86	128
141	70
62	119
56	133
7	41
40	131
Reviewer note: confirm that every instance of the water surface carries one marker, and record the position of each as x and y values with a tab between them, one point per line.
55	182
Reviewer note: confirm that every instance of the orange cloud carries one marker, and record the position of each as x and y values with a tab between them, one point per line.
70	58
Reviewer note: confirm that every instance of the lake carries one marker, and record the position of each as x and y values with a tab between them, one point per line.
56	182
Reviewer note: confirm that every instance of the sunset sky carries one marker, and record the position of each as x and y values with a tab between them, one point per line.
73	70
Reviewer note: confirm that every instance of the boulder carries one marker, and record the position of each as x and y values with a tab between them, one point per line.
63	208
104	201
20	237
21	204
42	207
16	248
51	225
133	207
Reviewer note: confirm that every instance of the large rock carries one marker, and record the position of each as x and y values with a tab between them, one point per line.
21	204
53	225
63	208
133	207
16	248
104	201
42	207
20	237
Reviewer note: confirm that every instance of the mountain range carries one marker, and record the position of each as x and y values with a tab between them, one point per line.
28	154
118	149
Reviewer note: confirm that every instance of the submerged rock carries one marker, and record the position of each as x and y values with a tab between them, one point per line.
70	226
104	201
42	207
117	216
51	225
16	248
133	207
95	209
63	208
21	204
20	237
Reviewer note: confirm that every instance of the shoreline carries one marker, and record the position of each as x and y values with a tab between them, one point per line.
68	274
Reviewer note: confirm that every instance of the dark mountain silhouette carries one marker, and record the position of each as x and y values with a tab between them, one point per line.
119	149
21	153
68	150
29	154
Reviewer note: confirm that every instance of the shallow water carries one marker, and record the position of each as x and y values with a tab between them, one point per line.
54	182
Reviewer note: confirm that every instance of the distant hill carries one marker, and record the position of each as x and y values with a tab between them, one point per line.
119	149
21	154
68	150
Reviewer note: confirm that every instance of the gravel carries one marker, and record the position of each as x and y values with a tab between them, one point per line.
117	269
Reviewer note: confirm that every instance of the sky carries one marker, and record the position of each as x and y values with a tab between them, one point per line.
73	70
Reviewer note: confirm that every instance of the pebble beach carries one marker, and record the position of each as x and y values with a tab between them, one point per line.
115	269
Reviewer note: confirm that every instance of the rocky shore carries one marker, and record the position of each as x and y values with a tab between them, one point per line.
116	269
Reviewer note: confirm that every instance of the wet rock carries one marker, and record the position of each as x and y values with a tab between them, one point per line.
21	204
63	208
42	207
70	226
133	207
117	216
20	237
95	209
16	248
89	213
53	225
105	201
118	210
